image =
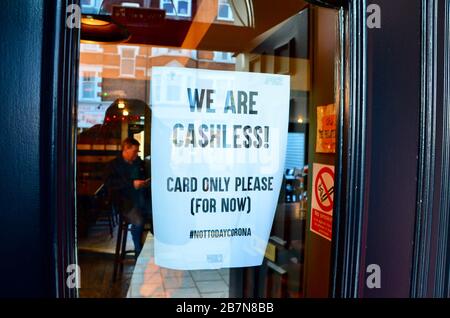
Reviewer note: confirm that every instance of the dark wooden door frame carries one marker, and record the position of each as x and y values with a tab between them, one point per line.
427	152
349	208
431	261
430	275
60	76
442	286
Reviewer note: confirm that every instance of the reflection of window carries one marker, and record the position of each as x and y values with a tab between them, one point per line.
175	52
130	4
90	6
172	52
168	7
128	61
156	51
90	47
224	11
90	114
224	57
88	86
182	7
87	3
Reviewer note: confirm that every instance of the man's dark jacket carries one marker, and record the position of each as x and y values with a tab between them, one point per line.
119	179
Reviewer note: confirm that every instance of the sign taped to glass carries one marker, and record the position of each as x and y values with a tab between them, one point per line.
326	129
322	201
218	145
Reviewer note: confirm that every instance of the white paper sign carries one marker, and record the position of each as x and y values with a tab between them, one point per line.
218	143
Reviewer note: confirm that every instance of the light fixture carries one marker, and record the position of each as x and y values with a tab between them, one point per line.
300	120
98	28
121	105
125	112
90	20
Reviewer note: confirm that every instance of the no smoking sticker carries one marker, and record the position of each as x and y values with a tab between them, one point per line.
322	200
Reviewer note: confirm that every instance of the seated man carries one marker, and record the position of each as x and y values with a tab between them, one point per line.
126	182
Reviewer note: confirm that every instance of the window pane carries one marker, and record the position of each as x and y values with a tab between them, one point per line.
88	89
90	6
183	7
168	7
89	3
223	11
128	53
236	113
127	67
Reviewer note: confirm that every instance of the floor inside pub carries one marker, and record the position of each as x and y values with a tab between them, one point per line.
143	278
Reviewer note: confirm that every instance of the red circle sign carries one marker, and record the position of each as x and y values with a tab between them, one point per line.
325	201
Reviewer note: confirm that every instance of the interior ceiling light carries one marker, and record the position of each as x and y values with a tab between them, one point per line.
102	29
90	20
